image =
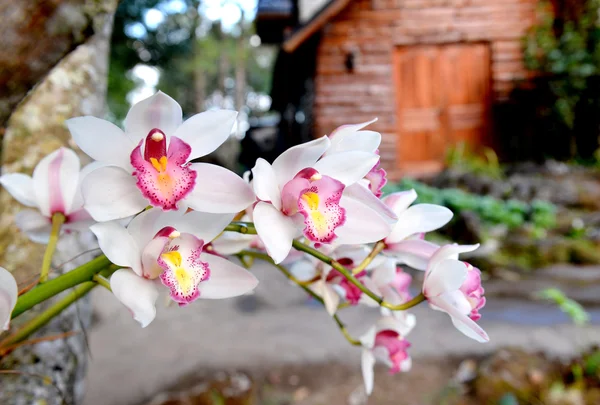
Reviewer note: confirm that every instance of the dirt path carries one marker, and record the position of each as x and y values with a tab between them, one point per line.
275	329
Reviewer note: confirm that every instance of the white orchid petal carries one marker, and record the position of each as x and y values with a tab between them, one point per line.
102	141
20	186
385	273
203	225
361	193
55	181
303	270
368	339
347	167
299	157
370	285
118	245
415	253
136	293
461	321
231	243
111	193
218	190
363	224
344	130
206	131
400	201
143	227
275	230
36	226
264	182
157	111
367	365
87	169
344	140
8	297
226	279
419	218
331	298
450	251
447	275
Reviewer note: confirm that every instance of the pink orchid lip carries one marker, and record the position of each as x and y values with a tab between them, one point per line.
396	346
162	174
316	197
183	269
473	291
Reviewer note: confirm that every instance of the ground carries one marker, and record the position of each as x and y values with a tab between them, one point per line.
276	335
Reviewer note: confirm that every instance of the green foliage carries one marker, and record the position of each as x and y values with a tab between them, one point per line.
461	157
569	53
540	215
576	312
184	46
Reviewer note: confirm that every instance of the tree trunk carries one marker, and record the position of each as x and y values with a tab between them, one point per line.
74	87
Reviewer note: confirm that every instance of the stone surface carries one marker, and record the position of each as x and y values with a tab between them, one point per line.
36	35
76	86
286	331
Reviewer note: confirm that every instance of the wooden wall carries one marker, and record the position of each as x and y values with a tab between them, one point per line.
373	29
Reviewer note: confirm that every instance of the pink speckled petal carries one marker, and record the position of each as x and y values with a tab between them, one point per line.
166	188
320	207
183	269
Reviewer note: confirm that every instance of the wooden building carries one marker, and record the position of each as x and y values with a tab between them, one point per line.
430	70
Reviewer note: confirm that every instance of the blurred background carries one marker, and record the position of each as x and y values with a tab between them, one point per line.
489	107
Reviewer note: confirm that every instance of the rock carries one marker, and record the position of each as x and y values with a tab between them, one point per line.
75	87
511	371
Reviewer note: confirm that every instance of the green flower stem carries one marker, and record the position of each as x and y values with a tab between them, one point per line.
378	248
310	292
42	319
59	284
103	281
57	220
248	228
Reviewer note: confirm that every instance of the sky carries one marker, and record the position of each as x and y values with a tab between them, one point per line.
228	11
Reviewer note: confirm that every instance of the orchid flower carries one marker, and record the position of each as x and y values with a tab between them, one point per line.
454	287
168	248
304	194
385	342
329	284
405	242
392	282
54	188
149	162
353	137
8	297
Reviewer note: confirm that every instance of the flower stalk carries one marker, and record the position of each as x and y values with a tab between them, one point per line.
42	319
248	228
302	285
378	248
58	219
59	284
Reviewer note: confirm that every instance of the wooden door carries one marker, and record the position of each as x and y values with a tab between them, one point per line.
443	97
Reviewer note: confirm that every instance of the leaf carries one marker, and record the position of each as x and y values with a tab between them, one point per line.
572	308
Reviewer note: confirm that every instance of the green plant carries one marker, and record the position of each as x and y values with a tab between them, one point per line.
576	312
461	157
567	50
537	215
